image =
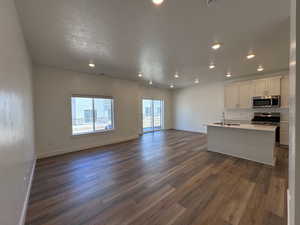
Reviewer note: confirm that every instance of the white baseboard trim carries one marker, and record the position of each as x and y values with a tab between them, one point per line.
25	205
81	148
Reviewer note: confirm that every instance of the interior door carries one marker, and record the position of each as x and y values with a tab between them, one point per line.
152	115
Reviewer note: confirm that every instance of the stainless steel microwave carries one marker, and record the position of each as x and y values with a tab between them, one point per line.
266	102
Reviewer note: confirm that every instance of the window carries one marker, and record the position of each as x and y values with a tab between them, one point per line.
91	114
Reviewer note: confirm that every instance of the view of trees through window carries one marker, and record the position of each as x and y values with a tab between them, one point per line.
91	114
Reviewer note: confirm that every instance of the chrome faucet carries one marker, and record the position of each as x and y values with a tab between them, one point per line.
223	118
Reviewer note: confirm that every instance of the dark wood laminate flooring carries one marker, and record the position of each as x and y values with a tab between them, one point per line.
165	178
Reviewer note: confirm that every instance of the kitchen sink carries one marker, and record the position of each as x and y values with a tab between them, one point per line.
228	124
218	123
232	124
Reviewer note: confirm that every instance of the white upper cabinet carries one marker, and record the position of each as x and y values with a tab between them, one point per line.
285	90
246	91
260	87
273	85
231	96
238	95
268	86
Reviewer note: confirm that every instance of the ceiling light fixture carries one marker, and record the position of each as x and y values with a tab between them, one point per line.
176	75
260	68
251	56
150	82
140	75
157	2
228	74
212	66
216	46
92	65
196	81
171	86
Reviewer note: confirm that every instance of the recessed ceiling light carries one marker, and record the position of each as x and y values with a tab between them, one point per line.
150	82
216	46
228	74
157	2
176	75
92	65
171	86
196	81
260	68
212	66
251	56
140	75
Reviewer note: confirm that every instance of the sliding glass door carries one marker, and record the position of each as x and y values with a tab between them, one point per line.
147	115
157	114
152	115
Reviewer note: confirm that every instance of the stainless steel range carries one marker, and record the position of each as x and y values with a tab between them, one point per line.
268	118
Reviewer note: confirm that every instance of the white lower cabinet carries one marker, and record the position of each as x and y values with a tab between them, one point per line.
284	133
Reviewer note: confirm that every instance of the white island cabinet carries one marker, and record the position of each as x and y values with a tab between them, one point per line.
246	141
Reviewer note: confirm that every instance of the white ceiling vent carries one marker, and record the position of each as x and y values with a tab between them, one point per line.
210	2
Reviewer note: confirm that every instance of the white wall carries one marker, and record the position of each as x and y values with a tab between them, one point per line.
198	105
53	88
16	117
204	103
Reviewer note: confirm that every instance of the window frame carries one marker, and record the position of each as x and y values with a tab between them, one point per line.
93	97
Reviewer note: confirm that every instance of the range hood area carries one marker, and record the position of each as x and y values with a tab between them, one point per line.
266	102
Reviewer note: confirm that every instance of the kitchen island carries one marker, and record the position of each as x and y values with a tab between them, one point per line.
247	141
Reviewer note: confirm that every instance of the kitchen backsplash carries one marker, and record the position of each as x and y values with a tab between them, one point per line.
247	114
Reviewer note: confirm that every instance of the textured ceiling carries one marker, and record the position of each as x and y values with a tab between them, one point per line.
125	37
